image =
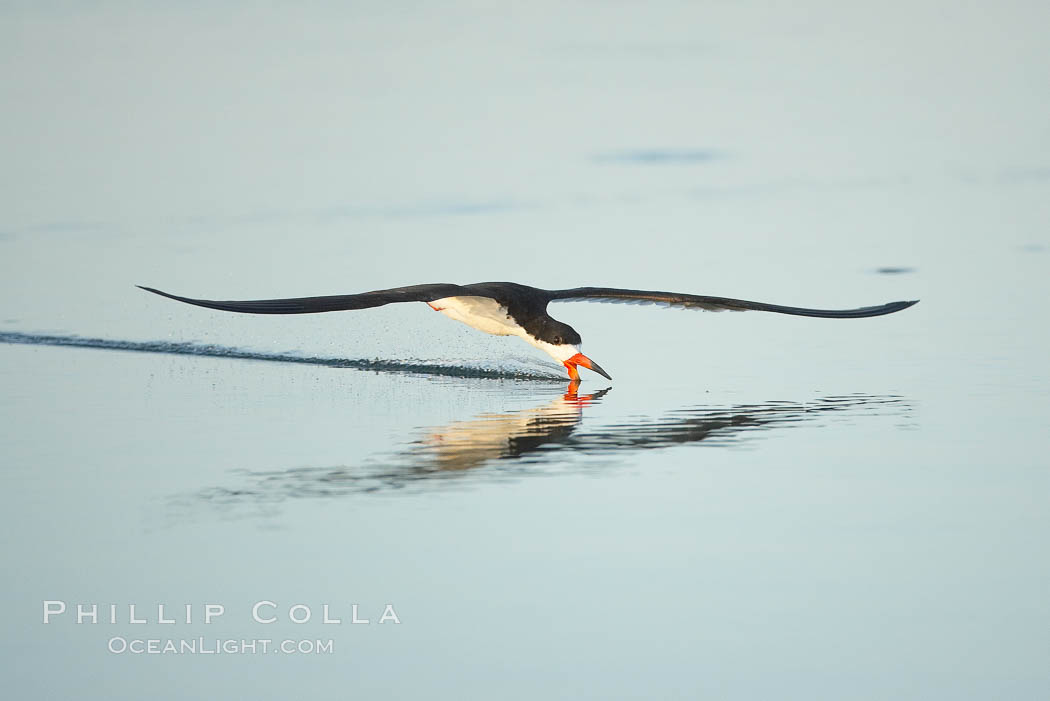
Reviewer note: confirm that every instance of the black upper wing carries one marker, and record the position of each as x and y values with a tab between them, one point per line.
715	304
331	303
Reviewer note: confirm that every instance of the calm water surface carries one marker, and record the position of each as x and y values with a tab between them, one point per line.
758	506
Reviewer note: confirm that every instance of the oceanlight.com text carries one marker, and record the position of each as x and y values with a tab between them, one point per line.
118	645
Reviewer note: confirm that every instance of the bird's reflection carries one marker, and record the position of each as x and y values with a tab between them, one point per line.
468	444
553	434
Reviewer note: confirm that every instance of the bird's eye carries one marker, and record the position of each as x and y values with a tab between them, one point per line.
557	340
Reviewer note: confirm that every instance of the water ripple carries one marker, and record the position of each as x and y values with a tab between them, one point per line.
216	351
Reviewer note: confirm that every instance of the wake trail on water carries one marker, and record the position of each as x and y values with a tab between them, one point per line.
216	351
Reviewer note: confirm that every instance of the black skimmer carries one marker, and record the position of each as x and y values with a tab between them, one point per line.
510	309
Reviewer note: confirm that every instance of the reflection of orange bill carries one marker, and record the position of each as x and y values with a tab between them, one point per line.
571	395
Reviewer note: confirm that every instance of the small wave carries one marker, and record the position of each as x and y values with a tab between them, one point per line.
658	156
216	351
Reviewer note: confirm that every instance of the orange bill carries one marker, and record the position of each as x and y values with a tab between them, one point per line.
583	361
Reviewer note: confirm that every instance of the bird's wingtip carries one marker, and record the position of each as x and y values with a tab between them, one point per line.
153	290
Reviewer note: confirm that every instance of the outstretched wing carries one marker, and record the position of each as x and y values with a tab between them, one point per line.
331	303
714	304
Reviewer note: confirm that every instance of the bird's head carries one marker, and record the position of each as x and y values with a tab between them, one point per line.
558	333
561	342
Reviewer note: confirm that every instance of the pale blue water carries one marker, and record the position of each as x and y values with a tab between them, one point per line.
758	506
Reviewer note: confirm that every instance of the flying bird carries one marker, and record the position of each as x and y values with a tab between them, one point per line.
510	309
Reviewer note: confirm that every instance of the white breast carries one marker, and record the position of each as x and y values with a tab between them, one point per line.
482	313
